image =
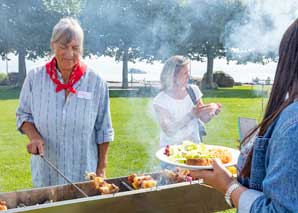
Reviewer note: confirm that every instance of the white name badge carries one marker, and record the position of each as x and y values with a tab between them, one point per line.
84	95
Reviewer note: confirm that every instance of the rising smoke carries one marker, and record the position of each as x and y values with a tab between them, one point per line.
261	26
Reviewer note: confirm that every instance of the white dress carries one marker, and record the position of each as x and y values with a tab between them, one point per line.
178	109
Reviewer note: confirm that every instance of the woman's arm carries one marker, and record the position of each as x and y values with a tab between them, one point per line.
200	102
167	123
280	183
220	178
104	130
36	145
25	123
102	159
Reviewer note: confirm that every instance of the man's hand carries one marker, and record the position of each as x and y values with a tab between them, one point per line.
101	172
36	147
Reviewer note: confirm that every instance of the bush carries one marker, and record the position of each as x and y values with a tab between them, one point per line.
4	81
148	91
15	78
223	79
204	84
196	81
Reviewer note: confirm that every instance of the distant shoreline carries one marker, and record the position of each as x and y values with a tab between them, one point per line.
112	70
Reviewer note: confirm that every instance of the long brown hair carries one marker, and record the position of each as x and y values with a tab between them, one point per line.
285	83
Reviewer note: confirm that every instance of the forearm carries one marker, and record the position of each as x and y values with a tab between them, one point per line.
36	144
235	196
102	155
30	130
171	127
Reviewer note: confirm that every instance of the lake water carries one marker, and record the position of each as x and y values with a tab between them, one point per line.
112	71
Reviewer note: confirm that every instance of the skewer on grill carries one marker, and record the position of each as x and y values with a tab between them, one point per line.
60	173
127	186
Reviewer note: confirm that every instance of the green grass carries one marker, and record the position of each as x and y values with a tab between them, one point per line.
136	133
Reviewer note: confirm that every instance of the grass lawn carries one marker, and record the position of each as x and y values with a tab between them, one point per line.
136	133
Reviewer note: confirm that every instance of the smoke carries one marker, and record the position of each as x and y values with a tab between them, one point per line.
260	28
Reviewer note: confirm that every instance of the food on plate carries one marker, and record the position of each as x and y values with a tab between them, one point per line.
199	161
141	181
196	154
100	184
232	169
223	154
3	205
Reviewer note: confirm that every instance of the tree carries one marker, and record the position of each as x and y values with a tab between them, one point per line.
28	26
5	43
208	26
268	81
122	29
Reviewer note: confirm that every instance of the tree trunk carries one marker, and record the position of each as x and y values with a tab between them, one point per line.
22	66
125	69
210	61
209	84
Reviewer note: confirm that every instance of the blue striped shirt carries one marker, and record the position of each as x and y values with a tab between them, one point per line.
71	128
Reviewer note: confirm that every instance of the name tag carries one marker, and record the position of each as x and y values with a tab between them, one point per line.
84	95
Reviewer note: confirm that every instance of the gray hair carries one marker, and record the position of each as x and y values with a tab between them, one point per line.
172	65
66	30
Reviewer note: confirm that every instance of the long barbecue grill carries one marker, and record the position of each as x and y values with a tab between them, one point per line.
178	197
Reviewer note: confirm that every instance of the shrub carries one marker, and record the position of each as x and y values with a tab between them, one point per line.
4	81
223	79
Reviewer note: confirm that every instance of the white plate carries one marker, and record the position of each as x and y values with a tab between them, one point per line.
235	154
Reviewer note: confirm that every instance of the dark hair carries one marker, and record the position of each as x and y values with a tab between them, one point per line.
285	82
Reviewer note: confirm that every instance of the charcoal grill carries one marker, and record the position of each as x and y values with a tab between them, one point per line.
178	197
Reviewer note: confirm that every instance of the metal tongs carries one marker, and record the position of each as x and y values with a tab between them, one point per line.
60	173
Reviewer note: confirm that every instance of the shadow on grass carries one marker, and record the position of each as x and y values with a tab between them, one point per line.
8	93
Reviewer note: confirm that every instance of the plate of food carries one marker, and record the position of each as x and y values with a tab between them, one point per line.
197	156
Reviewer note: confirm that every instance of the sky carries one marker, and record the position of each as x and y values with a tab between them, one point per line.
112	71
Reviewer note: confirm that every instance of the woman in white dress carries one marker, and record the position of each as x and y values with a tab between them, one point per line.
178	114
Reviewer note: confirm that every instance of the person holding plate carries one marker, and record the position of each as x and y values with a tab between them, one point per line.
267	165
64	110
179	106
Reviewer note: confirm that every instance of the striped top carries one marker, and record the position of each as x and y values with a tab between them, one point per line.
71	128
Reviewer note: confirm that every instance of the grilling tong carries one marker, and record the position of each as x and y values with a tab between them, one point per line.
62	175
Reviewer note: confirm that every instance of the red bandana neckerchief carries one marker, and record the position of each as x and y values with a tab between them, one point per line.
77	72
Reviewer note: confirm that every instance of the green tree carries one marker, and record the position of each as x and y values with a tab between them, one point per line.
208	29
5	43
122	29
28	26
